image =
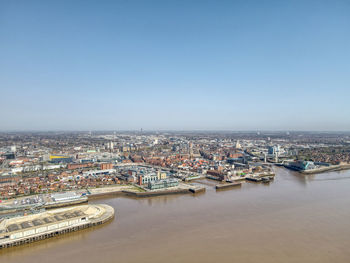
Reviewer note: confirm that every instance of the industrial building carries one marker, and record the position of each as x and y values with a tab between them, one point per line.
67	196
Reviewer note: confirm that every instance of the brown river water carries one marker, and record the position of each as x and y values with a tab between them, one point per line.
296	218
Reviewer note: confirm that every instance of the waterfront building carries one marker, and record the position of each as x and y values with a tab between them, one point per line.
161	184
147	178
302	165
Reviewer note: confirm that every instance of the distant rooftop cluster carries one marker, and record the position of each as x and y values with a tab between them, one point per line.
33	163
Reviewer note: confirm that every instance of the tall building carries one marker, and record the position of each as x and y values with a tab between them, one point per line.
238	145
274	149
191	150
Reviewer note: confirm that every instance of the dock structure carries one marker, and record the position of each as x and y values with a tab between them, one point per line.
26	229
254	179
263	179
193	178
197	189
227	185
142	192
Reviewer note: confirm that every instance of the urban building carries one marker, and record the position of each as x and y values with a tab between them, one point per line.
161	184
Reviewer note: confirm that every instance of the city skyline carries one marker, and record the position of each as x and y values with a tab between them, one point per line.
166	65
174	131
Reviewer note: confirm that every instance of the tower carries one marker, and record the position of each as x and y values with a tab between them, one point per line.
191	150
238	145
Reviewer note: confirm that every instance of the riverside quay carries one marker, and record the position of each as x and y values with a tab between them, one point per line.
25	229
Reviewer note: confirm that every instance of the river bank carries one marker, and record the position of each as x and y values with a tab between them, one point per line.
183	188
331	168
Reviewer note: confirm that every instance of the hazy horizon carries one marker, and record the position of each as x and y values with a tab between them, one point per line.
174	65
263	132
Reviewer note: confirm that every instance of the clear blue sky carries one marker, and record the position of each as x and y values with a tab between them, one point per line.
181	65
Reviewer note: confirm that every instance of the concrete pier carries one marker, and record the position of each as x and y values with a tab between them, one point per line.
26	229
228	185
197	189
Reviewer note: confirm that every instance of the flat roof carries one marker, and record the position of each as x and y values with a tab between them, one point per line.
42	221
